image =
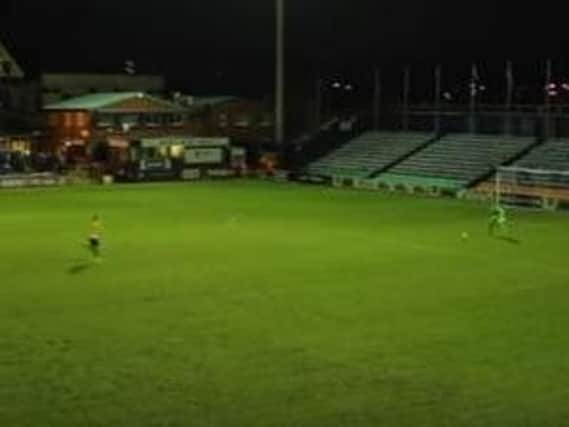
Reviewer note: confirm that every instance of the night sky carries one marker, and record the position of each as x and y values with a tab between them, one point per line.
227	45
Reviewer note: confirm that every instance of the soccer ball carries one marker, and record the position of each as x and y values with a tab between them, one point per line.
464	235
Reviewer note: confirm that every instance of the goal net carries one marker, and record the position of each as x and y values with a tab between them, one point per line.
527	187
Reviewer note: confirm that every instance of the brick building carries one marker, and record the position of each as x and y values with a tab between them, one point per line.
77	125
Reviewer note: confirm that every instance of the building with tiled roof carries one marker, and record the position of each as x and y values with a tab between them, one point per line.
58	87
76	124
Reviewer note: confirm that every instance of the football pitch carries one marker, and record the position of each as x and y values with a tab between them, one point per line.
256	304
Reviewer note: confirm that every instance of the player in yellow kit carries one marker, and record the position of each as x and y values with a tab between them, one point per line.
95	231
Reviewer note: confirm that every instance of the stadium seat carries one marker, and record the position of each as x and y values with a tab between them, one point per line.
367	154
551	155
550	161
456	160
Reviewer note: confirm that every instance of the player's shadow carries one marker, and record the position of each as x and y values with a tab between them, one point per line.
78	269
510	240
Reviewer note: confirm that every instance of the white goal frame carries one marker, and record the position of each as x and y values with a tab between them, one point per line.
546	190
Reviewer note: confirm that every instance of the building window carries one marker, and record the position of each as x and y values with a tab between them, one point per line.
267	121
242	121
177	120
105	121
80	120
176	151
128	120
223	120
67	120
151	153
152	120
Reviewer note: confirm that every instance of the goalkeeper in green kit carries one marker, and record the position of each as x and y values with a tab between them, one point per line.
498	220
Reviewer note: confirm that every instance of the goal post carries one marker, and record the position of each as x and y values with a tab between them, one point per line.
541	188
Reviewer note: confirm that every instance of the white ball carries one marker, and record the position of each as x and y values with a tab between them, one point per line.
464	235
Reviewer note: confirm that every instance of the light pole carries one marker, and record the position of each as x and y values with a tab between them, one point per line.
318	112
548	94
406	89
280	73
509	96
376	98
438	90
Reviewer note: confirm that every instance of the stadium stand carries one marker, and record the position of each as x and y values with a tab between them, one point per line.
551	155
369	153
550	160
316	146
454	162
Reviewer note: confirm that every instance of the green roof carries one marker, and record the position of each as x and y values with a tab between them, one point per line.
103	101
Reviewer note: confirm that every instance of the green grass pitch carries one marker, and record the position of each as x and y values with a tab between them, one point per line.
257	304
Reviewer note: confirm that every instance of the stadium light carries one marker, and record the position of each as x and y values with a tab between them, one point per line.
280	72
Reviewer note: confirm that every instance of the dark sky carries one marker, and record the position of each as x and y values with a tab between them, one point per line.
227	45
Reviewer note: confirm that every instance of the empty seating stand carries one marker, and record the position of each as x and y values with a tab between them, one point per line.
367	154
454	161
551	155
547	189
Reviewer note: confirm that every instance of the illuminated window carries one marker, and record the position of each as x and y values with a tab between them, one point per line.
67	120
176	151
163	151
20	146
81	119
